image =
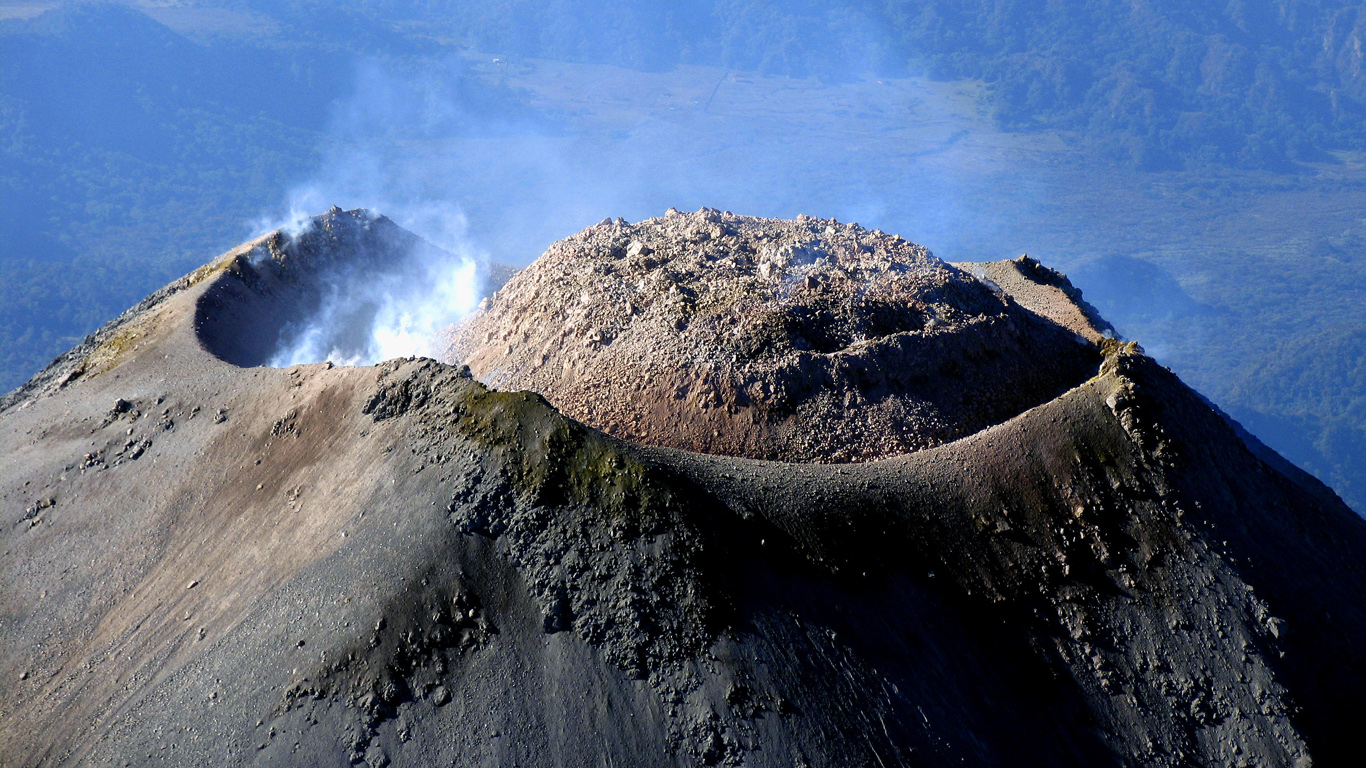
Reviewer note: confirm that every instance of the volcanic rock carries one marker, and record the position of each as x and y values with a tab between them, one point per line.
399	565
804	340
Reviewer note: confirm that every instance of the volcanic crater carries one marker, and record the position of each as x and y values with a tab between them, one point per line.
996	536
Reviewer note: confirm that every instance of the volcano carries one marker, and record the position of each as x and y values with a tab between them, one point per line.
700	490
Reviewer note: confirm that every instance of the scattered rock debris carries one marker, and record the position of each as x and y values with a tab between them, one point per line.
793	340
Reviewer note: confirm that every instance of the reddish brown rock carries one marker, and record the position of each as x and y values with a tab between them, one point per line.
807	340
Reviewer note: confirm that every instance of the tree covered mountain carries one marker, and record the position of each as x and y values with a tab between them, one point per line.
1250	82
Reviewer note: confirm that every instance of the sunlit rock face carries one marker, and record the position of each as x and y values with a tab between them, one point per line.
806	340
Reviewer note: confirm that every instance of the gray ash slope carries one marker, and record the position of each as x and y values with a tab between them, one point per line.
211	564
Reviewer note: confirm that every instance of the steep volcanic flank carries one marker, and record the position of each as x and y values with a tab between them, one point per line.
205	563
793	340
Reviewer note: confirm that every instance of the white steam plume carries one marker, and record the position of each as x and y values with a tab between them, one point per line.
426	142
368	315
402	308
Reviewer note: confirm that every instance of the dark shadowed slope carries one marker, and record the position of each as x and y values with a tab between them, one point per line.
210	564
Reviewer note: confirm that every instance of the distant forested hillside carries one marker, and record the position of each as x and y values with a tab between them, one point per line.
1155	83
1163	82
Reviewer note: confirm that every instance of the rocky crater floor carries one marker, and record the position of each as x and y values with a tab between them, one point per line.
807	340
208	561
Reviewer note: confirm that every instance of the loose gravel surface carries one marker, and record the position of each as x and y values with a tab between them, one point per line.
806	340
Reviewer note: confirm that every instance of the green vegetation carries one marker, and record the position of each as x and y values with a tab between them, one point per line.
560	461
1307	399
1160	84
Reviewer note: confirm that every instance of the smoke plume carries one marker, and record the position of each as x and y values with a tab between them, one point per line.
367	315
488	168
